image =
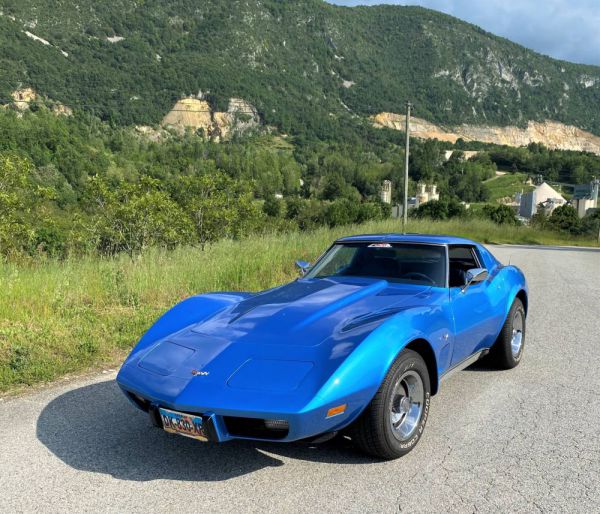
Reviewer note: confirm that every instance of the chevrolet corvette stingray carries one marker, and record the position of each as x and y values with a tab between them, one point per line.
357	345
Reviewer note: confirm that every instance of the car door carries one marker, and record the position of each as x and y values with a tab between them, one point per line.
472	308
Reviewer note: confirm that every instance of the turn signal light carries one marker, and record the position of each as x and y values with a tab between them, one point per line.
336	411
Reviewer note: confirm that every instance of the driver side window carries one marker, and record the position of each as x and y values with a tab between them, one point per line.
462	259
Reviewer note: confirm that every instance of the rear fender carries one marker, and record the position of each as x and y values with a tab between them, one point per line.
515	283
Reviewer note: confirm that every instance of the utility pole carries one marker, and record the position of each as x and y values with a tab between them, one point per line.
406	157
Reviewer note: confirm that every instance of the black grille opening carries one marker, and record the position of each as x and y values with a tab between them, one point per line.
256	428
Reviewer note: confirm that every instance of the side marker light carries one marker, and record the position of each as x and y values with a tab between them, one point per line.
336	411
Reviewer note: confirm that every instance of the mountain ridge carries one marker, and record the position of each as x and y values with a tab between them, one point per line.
307	66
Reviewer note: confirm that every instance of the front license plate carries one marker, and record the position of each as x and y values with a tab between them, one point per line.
183	424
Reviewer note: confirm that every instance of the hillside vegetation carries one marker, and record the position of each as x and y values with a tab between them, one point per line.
505	186
76	186
306	65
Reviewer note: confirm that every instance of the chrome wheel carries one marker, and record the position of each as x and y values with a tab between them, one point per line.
516	342
407	405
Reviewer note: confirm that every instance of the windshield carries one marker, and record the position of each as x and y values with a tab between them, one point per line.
395	262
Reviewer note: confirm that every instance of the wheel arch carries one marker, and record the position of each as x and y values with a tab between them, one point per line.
522	295
425	350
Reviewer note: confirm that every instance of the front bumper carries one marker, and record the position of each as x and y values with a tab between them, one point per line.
221	426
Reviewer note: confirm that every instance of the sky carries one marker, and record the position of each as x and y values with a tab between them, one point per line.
564	29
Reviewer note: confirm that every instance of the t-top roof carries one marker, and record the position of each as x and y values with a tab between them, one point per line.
406	238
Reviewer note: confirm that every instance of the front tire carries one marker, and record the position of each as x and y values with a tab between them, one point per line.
394	421
508	348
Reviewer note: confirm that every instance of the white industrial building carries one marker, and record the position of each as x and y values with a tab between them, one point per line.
543	194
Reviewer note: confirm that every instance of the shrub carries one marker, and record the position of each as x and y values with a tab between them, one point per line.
370	211
15	201
501	214
273	206
341	212
440	209
219	206
565	218
136	216
590	225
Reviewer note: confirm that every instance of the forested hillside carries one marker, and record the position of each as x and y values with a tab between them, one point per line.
307	66
72	185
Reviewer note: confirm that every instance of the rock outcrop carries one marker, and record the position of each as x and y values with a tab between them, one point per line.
196	113
22	98
552	134
62	110
190	112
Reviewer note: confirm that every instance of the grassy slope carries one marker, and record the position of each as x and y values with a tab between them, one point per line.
64	317
507	185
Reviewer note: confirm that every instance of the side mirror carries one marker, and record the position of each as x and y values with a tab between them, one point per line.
303	265
475	276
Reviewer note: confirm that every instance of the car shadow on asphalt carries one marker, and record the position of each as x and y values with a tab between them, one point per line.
94	428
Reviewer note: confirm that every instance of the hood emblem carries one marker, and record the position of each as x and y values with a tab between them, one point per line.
197	373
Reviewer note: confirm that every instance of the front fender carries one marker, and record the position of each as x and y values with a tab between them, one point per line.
359	377
188	312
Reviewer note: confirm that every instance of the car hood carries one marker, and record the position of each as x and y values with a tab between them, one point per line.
270	342
306	312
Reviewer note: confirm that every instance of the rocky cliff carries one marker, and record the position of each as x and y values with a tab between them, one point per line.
197	114
552	134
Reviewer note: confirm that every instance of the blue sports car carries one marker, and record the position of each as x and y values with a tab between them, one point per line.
358	344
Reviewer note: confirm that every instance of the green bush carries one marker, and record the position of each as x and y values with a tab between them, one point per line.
273	206
135	217
500	214
15	203
566	219
590	224
440	210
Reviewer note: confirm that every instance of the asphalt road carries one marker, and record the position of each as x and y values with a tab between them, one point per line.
524	440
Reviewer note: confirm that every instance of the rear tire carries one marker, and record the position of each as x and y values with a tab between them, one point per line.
508	348
394	421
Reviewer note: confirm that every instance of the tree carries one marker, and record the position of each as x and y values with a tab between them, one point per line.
565	218
440	209
293	207
540	218
273	206
219	206
500	214
136	216
333	187
15	202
